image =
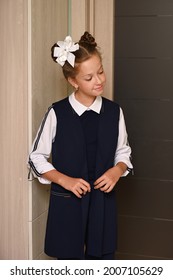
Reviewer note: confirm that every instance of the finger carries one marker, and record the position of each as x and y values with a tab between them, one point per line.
77	194
110	189
100	179
84	188
100	185
80	191
105	187
86	184
77	191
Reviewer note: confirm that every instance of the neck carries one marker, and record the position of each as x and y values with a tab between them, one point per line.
84	100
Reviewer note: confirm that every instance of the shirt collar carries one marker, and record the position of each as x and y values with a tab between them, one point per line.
80	108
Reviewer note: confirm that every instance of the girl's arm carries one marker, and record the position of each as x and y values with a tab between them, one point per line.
42	146
123	151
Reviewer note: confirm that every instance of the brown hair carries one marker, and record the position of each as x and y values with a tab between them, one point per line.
87	48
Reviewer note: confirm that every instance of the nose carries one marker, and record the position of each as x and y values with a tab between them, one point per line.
98	80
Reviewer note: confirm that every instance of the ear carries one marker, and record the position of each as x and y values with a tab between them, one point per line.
72	82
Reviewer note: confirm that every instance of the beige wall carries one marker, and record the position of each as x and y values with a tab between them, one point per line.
104	32
49	22
29	83
13	130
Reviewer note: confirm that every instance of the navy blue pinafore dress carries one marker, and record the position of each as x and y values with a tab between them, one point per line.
83	149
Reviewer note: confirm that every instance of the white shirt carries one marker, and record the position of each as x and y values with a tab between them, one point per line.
42	145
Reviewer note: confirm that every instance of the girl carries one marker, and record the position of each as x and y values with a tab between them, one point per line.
86	135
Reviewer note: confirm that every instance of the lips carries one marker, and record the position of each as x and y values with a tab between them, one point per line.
99	88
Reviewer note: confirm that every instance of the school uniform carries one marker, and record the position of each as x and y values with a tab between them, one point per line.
85	142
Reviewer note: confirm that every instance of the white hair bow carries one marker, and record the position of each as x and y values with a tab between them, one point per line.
64	51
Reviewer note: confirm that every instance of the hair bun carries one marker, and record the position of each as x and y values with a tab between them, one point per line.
52	52
88	39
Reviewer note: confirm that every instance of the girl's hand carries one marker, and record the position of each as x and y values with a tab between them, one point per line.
109	179
76	185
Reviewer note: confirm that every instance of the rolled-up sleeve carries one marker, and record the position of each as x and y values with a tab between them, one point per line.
123	151
42	147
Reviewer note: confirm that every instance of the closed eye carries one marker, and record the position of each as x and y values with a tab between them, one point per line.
88	79
101	72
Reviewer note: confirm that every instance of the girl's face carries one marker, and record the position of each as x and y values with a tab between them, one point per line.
90	79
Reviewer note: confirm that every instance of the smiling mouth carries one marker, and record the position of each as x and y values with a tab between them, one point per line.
99	88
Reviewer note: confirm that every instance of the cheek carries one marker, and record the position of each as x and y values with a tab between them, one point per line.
87	85
104	78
